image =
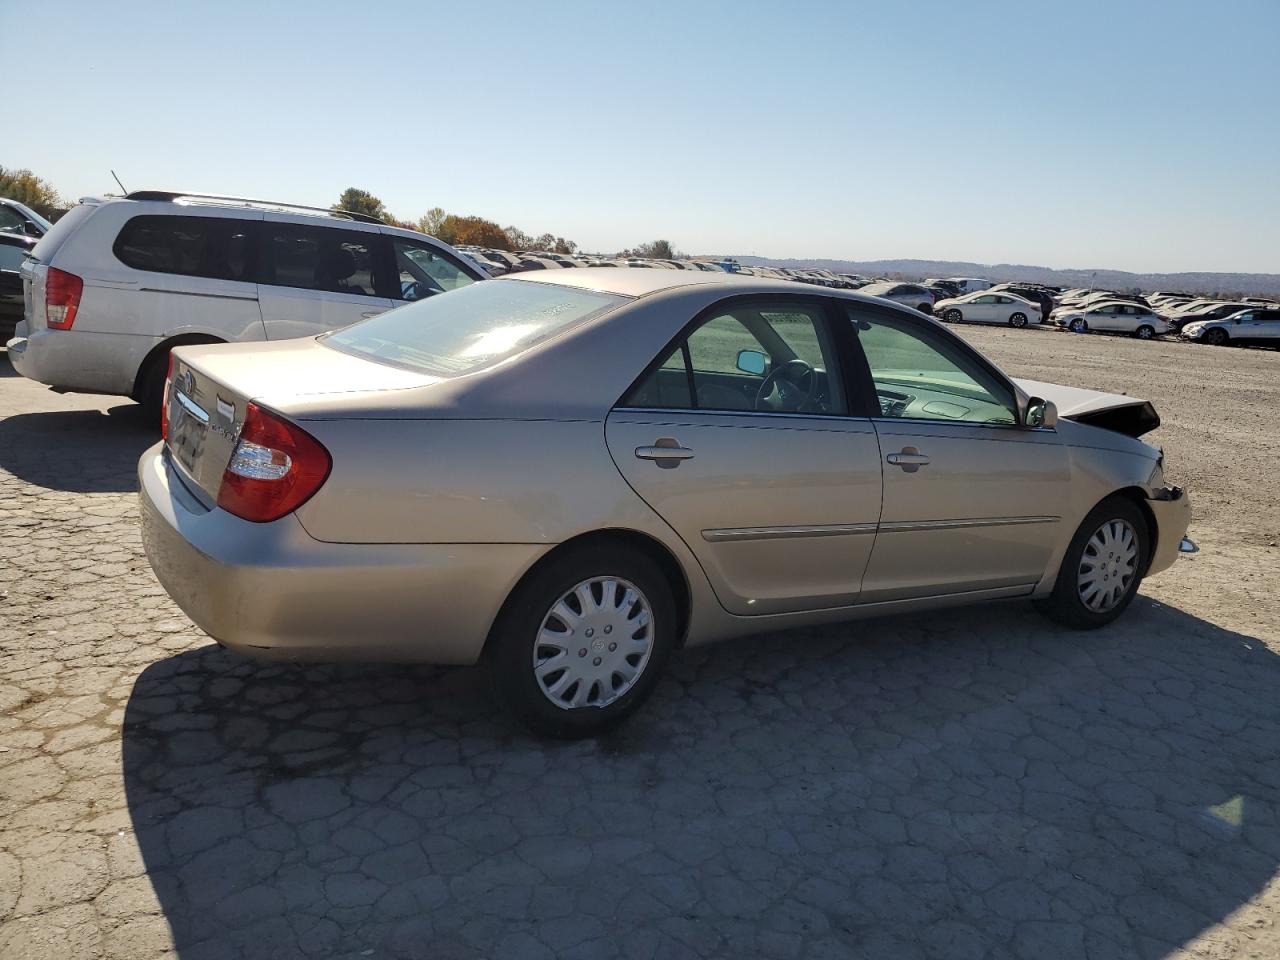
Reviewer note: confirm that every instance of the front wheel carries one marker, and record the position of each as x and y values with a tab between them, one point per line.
580	645
1078	325
952	316
1102	567
1216	337
1018	320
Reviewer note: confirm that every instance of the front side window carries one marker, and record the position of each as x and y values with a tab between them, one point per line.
753	356
477	326
922	374
987	299
11	220
425	270
220	248
319	258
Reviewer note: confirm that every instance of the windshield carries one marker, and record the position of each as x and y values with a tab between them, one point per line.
473	327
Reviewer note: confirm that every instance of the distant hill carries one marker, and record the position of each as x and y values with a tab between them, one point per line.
1227	284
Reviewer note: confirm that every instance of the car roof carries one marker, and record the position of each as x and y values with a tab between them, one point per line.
629	282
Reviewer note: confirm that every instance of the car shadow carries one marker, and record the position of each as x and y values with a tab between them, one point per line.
80	451
974	783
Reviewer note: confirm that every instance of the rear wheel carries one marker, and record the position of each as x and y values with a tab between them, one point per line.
952	316
926	308
1145	332
1102	567
148	390
1017	319
1216	337
582	642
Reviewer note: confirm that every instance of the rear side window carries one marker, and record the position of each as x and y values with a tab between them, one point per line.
220	248
321	258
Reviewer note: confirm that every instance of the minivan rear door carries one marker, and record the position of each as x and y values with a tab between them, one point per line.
314	278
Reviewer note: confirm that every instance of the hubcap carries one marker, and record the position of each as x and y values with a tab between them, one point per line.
594	643
1108	565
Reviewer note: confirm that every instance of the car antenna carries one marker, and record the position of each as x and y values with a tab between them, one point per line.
117	180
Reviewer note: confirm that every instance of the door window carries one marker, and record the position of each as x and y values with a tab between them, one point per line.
220	248
318	258
766	357
426	270
987	299
922	374
11	220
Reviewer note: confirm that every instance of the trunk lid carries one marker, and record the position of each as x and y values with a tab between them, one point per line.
211	386
1131	416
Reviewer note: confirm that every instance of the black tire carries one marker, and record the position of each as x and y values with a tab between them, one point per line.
1065	605
150	391
1216	337
1018	320
953	316
509	654
1145	332
925	308
1078	326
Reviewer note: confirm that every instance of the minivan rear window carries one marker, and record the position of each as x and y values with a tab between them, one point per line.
220	248
472	327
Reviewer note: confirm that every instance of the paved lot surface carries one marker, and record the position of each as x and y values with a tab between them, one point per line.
971	784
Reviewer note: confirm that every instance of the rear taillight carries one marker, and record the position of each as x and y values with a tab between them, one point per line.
164	401
61	298
274	469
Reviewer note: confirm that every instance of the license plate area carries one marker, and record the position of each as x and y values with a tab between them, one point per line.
188	430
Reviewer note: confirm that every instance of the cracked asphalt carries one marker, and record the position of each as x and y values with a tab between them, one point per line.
973	783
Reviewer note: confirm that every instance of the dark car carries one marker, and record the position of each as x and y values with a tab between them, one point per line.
17	217
13	249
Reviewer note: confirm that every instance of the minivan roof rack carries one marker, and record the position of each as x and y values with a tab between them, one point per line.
194	195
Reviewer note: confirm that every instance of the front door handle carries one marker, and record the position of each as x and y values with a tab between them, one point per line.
666	452
910	459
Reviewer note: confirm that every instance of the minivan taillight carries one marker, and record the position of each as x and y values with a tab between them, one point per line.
61	298
274	469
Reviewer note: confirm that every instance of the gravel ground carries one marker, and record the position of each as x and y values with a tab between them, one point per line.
965	784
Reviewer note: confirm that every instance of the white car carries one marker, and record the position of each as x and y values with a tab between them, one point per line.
115	284
1116	316
1255	327
983	307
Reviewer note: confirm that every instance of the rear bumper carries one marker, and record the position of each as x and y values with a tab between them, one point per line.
80	360
1173	516
270	590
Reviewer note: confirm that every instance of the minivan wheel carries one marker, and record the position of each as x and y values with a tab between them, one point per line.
1216	337
1018	320
1078	325
582	642
1102	567
1145	332
952	316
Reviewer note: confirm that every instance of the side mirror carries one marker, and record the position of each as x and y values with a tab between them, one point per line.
753	362
1040	414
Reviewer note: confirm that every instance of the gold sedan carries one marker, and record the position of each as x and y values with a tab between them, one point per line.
566	475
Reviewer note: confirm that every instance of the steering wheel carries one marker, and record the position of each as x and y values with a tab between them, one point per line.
790	396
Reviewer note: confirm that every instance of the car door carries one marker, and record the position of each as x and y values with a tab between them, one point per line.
971	499
982	309
740	438
1266	328
315	278
1104	317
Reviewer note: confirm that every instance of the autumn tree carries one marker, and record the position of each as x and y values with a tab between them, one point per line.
518	239
657	250
25	187
430	222
472	231
355	200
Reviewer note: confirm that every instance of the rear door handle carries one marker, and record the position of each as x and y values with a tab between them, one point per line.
910	459
666	452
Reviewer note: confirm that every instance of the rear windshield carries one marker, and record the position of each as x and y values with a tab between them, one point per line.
472	327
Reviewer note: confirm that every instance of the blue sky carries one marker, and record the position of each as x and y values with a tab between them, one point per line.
1125	134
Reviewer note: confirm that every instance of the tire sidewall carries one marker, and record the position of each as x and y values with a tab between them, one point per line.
1149	333
509	654
953	316
1018	320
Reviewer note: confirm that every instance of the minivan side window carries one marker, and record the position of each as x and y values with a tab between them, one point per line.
320	258
220	248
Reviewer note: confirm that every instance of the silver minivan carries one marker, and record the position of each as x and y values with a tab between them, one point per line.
117	283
